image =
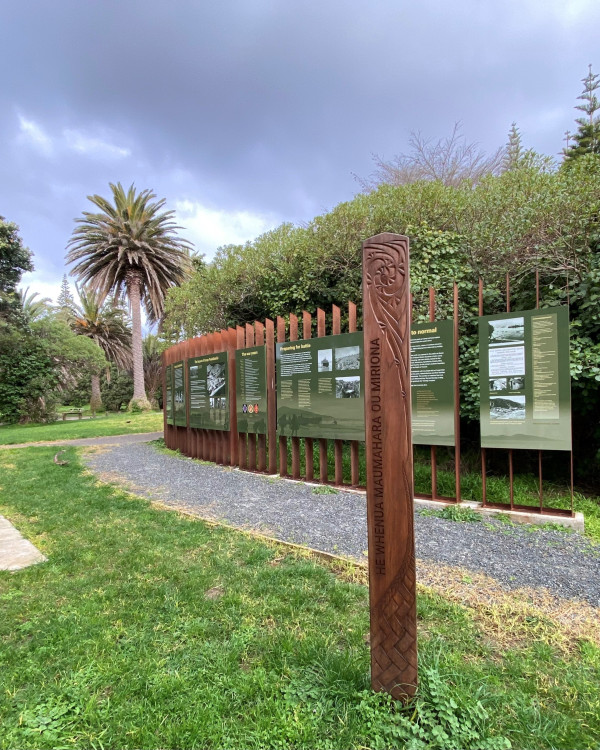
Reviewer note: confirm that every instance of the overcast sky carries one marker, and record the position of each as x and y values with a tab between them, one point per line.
247	113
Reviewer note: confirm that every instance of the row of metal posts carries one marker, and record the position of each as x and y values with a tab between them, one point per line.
269	453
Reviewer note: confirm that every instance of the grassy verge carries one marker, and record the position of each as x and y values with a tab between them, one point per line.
147	629
101	426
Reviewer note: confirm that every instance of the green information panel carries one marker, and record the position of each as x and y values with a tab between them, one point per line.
179	395
251	389
209	391
169	393
320	387
525	380
432	382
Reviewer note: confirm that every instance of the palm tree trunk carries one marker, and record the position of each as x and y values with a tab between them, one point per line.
96	399
139	393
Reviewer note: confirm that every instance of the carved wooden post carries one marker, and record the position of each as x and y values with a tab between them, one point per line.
392	585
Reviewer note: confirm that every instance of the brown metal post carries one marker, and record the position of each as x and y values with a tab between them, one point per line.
323	473
541	481
295	440
251	436
164	397
176	426
204	449
271	396
232	436
338	445
212	445
354	462
572	483
186	381
392	586
242	446
511	489
196	432
217	434
483	456
456	398
259	339
432	448
283	466
309	455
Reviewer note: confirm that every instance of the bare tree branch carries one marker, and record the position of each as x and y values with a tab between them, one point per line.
451	160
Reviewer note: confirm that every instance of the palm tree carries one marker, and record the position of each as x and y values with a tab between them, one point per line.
152	368
130	249
105	323
31	308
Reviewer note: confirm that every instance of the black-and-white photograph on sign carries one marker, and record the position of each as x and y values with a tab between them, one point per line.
347	358
508	331
507	407
325	360
498	384
215	378
347	387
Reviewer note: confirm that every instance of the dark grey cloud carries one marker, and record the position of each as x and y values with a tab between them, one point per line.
263	108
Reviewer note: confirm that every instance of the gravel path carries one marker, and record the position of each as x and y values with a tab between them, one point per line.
133	437
567	564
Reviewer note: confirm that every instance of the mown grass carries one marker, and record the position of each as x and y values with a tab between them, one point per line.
103	425
148	629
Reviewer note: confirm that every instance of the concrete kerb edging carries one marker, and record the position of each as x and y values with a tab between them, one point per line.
16	552
576	523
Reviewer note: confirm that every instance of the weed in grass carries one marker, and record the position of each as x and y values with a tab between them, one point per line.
461	514
324	490
458	513
533	527
503	519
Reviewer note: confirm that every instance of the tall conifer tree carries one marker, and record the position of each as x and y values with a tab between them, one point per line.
65	303
587	138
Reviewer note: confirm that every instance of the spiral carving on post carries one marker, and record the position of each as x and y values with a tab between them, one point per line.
392	585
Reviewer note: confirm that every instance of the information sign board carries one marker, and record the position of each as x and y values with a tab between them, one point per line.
209	391
169	393
179	395
432	382
525	380
320	387
251	390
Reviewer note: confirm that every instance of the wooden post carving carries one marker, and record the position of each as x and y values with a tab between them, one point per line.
392	585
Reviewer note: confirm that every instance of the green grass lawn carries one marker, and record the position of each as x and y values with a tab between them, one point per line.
102	425
148	629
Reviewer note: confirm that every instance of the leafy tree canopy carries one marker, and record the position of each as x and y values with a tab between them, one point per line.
15	258
37	363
